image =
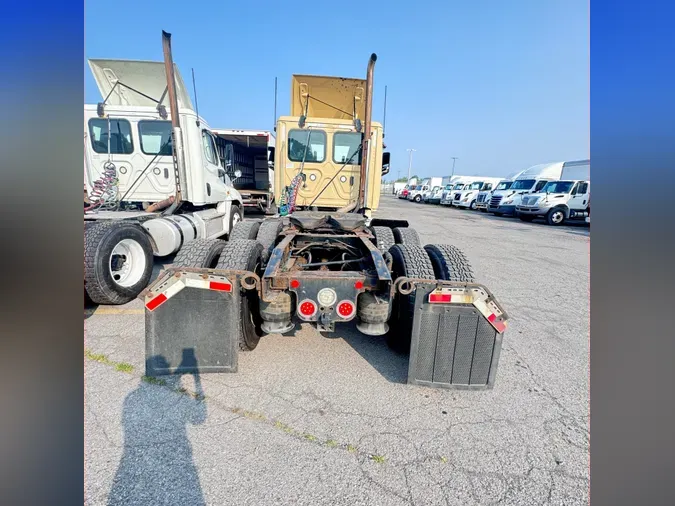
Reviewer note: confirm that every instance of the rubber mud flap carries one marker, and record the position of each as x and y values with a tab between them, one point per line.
188	332
452	345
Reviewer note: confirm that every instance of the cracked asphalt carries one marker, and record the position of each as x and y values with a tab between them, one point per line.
316	420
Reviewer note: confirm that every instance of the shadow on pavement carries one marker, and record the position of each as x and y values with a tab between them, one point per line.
157	466
374	349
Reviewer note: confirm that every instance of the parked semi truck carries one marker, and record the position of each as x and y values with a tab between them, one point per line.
568	199
250	153
417	194
153	177
483	198
326	260
531	180
460	184
468	197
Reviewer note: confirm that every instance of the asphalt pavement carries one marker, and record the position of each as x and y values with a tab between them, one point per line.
330	420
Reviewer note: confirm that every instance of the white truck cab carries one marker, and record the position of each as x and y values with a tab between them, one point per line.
458	185
531	180
468	197
415	194
562	200
483	198
426	196
147	197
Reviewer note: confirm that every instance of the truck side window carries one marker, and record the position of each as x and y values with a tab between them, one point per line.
575	189
155	137
298	148
540	185
583	188
209	148
487	187
119	136
345	145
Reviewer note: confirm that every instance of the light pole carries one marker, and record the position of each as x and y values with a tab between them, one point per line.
410	150
453	165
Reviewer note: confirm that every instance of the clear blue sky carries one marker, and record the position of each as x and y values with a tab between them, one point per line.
502	85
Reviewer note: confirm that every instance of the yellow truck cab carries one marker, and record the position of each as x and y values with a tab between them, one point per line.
321	140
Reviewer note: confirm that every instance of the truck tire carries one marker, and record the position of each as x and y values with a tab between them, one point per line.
118	262
472	206
236	215
556	216
245	230
418	198
406	235
267	236
384	238
245	255
200	254
450	263
411	261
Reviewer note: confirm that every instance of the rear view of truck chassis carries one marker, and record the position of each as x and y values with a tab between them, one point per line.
326	269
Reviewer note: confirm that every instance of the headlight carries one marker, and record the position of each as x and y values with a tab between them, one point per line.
326	297
508	201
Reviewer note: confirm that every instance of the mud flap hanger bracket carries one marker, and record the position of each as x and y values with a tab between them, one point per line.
451	292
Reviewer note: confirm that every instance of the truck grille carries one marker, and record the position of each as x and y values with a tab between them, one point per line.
494	202
457	195
481	197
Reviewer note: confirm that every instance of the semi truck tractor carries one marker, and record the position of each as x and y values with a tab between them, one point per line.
153	179
483	198
468	197
568	199
531	180
326	259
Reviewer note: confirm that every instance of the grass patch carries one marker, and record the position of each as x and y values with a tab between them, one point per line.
124	367
309	437
444	460
331	443
154	381
351	449
380	459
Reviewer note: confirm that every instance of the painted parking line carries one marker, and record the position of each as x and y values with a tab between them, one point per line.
112	311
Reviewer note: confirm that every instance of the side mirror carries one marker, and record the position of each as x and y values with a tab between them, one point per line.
229	156
385	163
270	154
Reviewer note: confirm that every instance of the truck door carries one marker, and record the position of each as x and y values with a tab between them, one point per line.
579	198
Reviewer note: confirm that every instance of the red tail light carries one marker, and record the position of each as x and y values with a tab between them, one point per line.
307	308
345	309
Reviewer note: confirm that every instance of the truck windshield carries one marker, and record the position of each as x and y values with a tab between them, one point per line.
459	186
298	149
557	187
505	185
418	187
523	184
475	186
435	189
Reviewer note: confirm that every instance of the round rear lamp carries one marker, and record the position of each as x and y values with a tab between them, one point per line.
345	309
307	308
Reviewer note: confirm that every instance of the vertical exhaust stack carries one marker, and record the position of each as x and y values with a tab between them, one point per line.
177	139
367	132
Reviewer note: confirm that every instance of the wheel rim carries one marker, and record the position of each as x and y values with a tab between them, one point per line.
127	263
557	217
472	205
235	219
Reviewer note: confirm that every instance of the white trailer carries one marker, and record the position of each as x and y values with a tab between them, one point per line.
153	178
567	199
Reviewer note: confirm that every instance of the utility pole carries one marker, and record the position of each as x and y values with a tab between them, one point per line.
453	165
410	150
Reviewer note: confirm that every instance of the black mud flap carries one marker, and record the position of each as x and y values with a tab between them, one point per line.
456	336
188	317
